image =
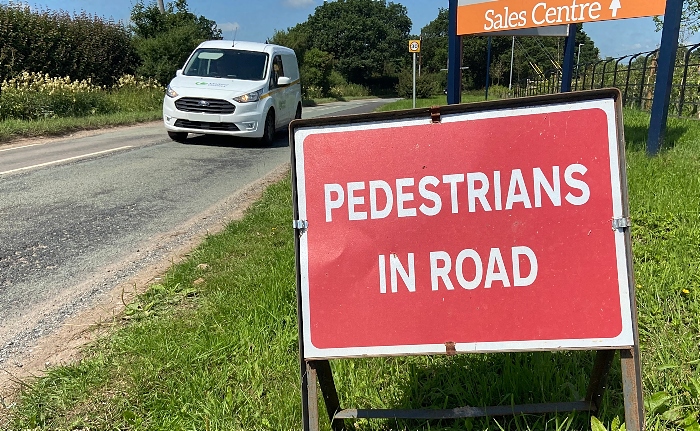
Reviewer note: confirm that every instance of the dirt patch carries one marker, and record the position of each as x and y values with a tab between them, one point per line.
64	345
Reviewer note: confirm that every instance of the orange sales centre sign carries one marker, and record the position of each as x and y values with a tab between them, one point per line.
489	231
483	16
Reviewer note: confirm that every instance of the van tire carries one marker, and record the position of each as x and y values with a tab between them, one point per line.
268	136
178	136
297	116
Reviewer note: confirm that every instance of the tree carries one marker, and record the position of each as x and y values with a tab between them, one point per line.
316	69
690	20
165	40
367	38
297	38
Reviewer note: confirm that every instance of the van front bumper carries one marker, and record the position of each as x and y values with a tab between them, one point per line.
244	122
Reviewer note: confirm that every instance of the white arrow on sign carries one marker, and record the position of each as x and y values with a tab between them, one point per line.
614	7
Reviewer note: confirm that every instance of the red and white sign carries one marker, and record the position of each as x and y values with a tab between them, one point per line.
490	230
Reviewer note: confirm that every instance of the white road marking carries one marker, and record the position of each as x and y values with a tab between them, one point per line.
19	148
84	156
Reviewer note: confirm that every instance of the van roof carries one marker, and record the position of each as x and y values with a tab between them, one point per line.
245	46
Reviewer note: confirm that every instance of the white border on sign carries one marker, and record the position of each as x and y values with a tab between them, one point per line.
623	340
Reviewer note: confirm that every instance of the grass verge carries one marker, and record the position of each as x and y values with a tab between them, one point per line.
433	101
214	347
15	129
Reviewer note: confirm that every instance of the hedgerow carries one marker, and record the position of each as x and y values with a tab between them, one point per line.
33	96
81	46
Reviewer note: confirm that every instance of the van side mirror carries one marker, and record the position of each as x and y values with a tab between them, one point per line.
178	72
284	81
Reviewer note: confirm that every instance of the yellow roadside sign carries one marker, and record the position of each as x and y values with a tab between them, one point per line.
414	46
484	16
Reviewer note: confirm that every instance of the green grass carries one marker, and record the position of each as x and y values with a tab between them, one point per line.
116	108
433	101
214	347
14	129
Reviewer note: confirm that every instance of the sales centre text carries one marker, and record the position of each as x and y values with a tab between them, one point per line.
542	14
457	193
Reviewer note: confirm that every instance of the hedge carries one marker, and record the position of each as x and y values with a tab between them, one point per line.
81	46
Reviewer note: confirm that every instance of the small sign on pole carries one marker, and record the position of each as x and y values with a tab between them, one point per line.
414	48
496	227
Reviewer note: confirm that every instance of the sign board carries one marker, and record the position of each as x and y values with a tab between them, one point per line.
488	231
485	16
414	46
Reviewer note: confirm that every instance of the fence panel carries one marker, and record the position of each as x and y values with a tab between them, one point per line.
634	75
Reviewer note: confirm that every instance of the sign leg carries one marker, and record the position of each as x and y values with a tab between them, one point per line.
632	387
309	397
599	376
330	394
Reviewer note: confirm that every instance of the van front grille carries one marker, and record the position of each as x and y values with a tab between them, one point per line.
203	125
207	106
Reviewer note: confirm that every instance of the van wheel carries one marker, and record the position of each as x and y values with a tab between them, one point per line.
269	131
297	116
178	136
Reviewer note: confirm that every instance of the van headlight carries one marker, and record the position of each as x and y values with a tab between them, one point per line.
250	97
170	92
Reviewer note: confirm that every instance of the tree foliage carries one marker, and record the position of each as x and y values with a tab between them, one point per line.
367	38
316	69
690	20
81	46
165	40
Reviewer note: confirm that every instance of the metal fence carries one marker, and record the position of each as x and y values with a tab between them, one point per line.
634	75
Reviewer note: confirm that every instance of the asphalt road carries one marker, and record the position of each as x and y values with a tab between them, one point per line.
76	214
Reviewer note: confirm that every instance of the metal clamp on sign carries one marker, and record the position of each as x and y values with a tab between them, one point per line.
621	223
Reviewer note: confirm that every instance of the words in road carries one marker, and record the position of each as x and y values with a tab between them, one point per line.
489	230
483	16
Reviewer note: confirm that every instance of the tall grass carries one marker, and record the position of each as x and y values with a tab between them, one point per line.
32	96
33	104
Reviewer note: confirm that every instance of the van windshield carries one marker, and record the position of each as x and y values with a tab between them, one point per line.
227	63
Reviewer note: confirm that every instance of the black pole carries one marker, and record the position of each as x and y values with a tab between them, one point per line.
664	77
454	58
569	56
488	68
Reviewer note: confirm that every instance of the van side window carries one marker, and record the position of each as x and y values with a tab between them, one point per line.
277	71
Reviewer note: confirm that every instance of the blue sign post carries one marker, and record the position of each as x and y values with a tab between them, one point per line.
569	57
454	58
664	77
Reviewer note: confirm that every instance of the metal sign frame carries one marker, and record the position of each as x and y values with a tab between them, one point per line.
317	371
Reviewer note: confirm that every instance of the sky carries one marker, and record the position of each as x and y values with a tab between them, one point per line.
257	20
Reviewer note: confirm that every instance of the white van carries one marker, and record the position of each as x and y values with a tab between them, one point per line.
234	88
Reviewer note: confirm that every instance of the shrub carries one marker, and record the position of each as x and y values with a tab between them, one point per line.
316	70
81	46
427	85
349	90
32	96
